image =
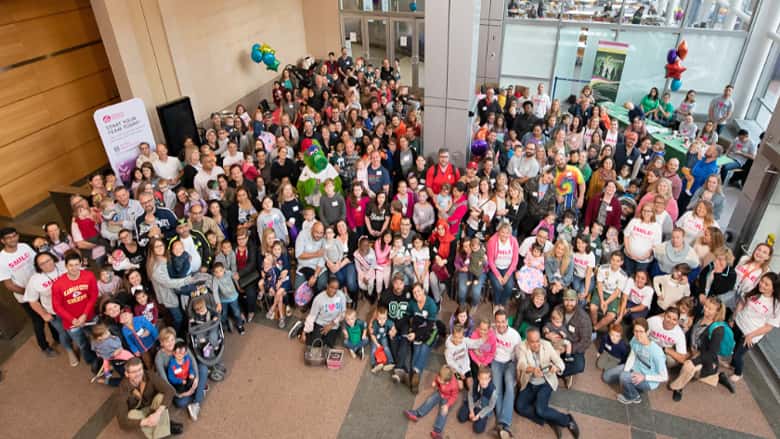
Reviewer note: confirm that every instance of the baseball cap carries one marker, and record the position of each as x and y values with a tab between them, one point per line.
570	295
473	165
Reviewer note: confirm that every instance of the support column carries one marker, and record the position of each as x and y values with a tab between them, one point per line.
491	25
765	20
451	41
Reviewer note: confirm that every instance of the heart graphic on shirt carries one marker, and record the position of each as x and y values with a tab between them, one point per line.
331	307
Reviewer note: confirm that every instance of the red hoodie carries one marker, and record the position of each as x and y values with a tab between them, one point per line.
72	298
448	391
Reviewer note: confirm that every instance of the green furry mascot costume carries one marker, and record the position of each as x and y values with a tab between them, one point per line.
310	183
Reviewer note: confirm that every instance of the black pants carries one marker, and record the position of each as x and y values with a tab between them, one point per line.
39	327
328	339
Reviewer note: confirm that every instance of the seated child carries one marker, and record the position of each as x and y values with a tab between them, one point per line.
610	244
483	355
227	256
272	279
108	284
613	349
456	353
531	275
181	370
225	293
396	215
355	333
637	299
567	229
194	198
444	396
108	347
444	200
421	261
670	288
610	284
381	330
145	307
477	262
624	178
140	336
179	266
555	331
480	402
401	260
110	215
365	266
87	225
548	223
207	343
165	194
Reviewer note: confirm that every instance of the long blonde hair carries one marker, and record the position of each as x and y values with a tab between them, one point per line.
566	259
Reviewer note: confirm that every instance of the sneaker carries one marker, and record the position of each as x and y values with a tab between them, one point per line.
557	430
72	358
269	315
196	411
241	330
505	433
377	368
569	381
98	375
352	354
623	400
176	428
49	352
295	330
726	382
250	317
282	322
388	367
735	378
400	376
574	429
410	415
594	336
191	411
436	435
676	395
361	353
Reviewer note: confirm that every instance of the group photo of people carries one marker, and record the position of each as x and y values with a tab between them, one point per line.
321	213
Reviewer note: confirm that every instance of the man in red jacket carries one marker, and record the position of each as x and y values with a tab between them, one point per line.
73	297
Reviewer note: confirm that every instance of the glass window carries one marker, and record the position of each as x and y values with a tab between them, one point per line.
576	53
711	62
645	61
770	98
351	5
711	14
528	51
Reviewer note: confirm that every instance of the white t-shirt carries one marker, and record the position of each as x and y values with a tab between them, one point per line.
666	339
644	236
541	105
581	263
18	266
169	169
693	226
189	247
230	160
504	255
505	345
420	257
639	296
612	280
758	311
203	177
747	275
39	287
525	247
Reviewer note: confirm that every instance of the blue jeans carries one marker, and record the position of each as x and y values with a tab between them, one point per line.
738	359
434	400
578	285
476	290
533	403
575	364
631	266
501	293
81	337
347	277
505	379
420	353
726	168
178	318
479	425
388	352
629	389
354	347
231	309
200	391
64	337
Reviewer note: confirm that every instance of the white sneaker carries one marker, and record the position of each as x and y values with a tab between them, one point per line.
352	353
191	411
72	358
735	378
377	368
196	411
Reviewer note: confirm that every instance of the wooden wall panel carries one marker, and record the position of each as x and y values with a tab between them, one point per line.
12	11
42	110
30	39
31	188
34	78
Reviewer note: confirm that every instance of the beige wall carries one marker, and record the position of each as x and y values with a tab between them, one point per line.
321	18
210	46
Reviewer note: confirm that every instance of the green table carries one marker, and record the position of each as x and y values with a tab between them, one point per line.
675	147
620	113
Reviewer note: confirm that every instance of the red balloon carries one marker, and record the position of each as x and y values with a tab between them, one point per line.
682	49
674	70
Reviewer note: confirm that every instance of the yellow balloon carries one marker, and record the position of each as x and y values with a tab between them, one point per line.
265	48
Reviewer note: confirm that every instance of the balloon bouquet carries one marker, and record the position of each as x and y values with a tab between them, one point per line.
266	55
674	69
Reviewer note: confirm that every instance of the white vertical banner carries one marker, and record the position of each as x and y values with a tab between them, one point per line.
122	128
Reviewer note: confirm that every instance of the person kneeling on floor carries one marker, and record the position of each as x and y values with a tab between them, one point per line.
142	402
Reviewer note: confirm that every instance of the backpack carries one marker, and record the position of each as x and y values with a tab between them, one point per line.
727	344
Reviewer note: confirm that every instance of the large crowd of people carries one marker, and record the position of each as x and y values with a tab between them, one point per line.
570	233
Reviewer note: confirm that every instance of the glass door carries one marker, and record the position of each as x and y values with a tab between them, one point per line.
418	61
376	33
403	49
352	29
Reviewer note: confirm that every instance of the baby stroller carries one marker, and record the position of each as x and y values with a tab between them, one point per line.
201	335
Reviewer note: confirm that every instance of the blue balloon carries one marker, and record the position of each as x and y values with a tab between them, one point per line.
269	58
413	6
676	84
257	56
256	46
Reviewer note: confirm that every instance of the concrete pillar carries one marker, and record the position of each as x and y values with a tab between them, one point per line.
669	20
451	40
765	20
491	23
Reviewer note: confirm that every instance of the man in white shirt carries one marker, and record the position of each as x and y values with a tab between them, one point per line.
542	238
167	167
208	172
664	330
541	102
504	368
523	164
16	268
